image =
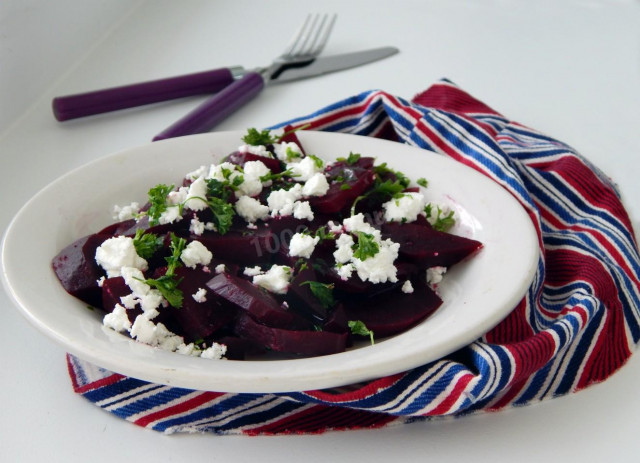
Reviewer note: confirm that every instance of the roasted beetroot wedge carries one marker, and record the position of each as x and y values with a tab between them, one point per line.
428	247
203	312
249	247
347	183
302	300
76	268
241	159
394	312
260	304
308	343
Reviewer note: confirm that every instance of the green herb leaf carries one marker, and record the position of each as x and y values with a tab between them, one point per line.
168	287
345	186
359	328
158	200
173	261
352	159
319	162
255	137
422	182
322	291
223	213
291	154
365	247
146	244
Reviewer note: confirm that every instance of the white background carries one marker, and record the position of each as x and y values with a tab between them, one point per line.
571	70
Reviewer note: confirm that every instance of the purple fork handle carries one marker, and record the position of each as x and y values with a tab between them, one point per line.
216	108
129	96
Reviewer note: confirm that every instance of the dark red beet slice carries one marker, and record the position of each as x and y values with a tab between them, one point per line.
339	199
394	311
241	159
309	343
337	321
261	305
76	268
241	247
302	300
428	247
199	320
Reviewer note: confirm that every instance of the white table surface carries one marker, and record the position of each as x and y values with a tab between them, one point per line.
570	70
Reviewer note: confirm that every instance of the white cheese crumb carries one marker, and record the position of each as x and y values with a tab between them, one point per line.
404	209
214	352
280	150
178	196
435	274
344	251
281	202
170	215
345	271
379	268
259	150
252	185
220	268
100	281
117	320
304	169
252	271
302	245
407	287
199	172
317	185
250	209
195	199
117	252
125	212
200	295
196	227
276	279
302	210
195	253
334	228
356	223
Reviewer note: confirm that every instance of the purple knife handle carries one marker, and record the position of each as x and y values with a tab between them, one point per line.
129	96
216	108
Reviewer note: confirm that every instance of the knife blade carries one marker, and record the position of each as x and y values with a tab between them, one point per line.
215	109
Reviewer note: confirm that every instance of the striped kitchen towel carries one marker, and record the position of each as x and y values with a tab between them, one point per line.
577	324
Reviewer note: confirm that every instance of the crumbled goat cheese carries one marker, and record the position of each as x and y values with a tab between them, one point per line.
220	268
435	274
334	228
404	209
195	253
214	352
100	281
196	195
216	171
252	185
302	210
148	299
379	268
170	215
356	223
250	209
407	287
317	185
345	271
304	169
117	252
276	279
280	150
125	212
200	295
199	172
178	196
117	320
196	227
259	150
344	248
281	202
302	245
252	271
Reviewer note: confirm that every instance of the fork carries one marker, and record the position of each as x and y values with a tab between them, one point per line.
308	42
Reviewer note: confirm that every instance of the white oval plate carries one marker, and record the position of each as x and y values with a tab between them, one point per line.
477	293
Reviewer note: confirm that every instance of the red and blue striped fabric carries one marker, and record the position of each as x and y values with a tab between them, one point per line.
577	324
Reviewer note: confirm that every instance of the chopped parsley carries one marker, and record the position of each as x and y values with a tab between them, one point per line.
146	244
322	291
167	284
256	138
158	201
351	160
440	222
422	182
359	328
365	247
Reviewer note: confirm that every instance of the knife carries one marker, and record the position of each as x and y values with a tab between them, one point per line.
200	83
232	97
